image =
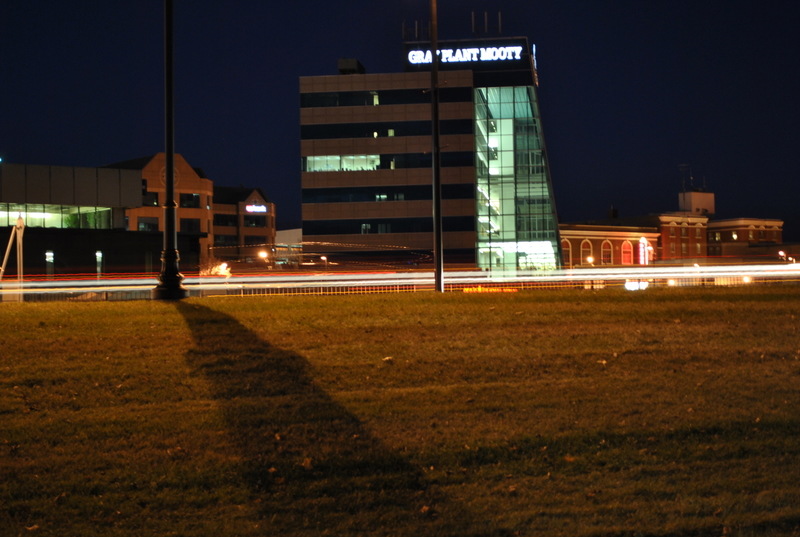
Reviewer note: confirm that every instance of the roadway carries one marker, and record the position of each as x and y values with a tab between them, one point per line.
638	277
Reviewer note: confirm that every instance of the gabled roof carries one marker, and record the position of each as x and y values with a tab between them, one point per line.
141	162
133	164
235	194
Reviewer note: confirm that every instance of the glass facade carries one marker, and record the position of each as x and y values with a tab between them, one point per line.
516	217
56	216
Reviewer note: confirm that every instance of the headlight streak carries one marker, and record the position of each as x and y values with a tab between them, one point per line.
665	275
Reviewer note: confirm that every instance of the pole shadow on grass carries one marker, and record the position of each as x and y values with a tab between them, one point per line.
312	464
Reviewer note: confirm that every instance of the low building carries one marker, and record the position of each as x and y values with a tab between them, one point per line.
244	224
688	236
745	238
193	194
110	219
599	244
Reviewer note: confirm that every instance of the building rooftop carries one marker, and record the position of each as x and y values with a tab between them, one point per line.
235	194
141	162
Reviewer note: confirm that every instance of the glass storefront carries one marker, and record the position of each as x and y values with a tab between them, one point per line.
517	226
57	216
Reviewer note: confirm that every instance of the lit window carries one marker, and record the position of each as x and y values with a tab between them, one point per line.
627	253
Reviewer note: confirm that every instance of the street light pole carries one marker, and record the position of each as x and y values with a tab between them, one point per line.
169	280
438	250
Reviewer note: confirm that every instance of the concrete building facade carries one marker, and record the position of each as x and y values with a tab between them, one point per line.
366	143
244	224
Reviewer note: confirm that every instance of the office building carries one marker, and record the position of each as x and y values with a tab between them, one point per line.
244	224
110	219
366	143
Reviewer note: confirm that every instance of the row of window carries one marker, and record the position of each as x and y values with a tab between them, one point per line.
382	97
185	200
698	231
56	216
233	240
385	193
150	223
232	220
386	225
351	163
587	255
752	235
383	129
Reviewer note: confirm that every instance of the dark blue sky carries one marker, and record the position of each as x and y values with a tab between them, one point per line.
628	89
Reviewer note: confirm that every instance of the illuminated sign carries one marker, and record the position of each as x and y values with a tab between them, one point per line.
467	54
255	208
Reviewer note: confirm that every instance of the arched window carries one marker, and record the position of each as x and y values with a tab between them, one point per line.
606	253
627	253
587	257
566	253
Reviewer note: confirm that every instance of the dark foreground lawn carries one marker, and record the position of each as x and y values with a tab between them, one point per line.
575	413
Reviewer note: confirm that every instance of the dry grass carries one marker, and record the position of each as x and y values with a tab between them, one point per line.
672	412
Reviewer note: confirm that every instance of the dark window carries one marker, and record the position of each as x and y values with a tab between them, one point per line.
190	225
147	223
226	220
383	97
150	199
190	201
386	225
255	220
255	239
225	240
380	130
386	193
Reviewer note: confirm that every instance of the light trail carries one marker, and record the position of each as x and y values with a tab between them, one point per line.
200	285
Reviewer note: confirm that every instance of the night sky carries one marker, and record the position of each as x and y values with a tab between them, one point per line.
629	90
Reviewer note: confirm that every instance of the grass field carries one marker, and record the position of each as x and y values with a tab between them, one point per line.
548	413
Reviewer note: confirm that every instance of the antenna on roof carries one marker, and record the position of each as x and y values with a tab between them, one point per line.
686	173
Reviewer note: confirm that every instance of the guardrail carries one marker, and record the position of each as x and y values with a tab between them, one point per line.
633	278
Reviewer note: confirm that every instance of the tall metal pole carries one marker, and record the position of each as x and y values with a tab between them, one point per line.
169	280
20	228
438	250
